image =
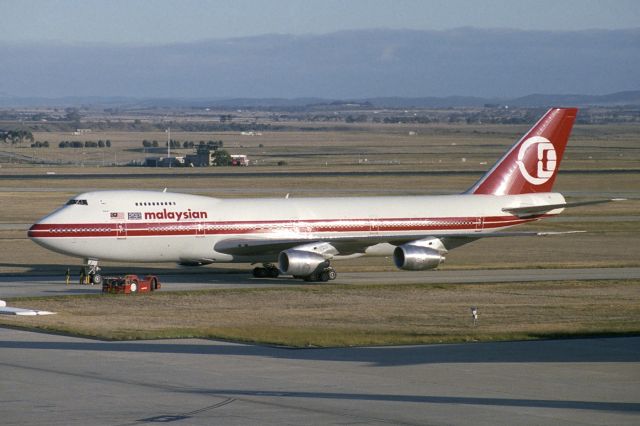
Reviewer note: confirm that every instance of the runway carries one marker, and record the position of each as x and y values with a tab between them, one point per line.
60	380
26	285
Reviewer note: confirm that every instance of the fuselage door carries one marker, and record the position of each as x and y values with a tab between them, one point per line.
301	228
374	225
479	222
200	229
121	231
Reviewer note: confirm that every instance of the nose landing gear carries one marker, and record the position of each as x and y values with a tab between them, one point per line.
93	271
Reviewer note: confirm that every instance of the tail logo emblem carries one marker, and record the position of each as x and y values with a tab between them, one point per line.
547	160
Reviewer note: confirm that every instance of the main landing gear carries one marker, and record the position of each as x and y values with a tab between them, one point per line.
267	271
321	275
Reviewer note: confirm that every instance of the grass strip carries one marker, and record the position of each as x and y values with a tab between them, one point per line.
342	315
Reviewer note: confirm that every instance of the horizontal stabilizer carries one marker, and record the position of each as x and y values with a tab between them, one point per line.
541	209
547	233
508	234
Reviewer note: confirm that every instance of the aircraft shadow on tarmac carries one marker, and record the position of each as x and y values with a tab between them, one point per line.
601	350
204	274
504	402
75	265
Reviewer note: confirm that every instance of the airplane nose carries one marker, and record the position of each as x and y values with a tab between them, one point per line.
40	234
35	230
44	227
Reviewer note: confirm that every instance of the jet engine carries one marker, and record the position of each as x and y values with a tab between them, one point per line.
416	258
300	263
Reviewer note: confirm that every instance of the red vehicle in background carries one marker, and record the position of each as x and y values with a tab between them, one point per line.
130	284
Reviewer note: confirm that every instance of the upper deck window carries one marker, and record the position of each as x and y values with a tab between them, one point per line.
80	202
157	203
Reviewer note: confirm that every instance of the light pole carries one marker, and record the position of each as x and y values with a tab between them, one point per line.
169	146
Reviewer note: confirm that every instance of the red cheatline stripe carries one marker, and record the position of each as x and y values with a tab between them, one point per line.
149	229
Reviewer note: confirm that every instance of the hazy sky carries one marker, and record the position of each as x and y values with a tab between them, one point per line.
167	21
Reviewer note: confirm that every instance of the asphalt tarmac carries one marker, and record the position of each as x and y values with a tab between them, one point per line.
60	380
25	285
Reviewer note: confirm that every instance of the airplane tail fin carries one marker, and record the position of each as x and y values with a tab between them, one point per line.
531	165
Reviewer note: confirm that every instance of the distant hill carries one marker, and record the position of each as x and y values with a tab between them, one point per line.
628	98
535	100
631	97
464	66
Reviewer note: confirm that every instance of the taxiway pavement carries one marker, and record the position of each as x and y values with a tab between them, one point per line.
24	285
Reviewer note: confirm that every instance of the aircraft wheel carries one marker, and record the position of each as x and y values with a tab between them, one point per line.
324	276
259	272
96	279
273	272
332	274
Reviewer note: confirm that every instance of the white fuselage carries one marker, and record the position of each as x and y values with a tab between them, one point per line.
147	226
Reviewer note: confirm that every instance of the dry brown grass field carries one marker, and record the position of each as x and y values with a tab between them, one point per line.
432	147
334	315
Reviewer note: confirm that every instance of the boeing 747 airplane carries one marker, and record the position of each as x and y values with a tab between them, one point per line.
303	236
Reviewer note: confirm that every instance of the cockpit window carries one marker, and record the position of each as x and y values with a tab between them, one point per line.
80	202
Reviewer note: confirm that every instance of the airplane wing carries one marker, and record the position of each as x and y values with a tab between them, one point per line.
352	245
266	247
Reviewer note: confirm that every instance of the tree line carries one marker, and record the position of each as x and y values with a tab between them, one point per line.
86	144
176	144
15	136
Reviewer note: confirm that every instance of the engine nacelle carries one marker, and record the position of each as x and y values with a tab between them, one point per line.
300	263
416	258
